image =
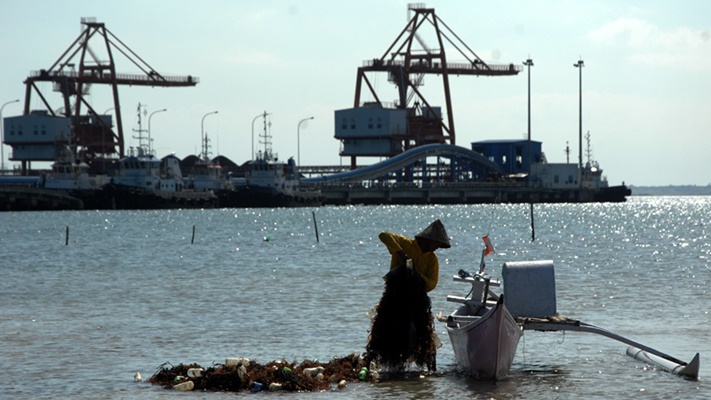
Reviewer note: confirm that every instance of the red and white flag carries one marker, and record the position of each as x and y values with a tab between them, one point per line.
489	247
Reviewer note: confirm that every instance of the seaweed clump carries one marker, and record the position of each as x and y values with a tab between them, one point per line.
402	329
243	374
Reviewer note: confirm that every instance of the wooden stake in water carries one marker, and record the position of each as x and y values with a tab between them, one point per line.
192	240
66	236
313	214
533	227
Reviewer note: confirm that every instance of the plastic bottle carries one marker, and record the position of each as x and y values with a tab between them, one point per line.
313	371
363	374
185	386
256	387
242	372
236	361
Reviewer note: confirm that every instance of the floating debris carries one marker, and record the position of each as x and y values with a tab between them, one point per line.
185	386
245	374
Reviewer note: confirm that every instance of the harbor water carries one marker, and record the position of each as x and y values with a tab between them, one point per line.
89	298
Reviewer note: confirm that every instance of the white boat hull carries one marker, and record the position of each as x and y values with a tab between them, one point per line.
484	345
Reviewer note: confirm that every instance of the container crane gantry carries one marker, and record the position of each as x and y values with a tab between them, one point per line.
408	59
96	137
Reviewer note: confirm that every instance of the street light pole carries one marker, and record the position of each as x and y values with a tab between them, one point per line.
150	150
202	135
2	137
580	66
298	140
529	64
264	114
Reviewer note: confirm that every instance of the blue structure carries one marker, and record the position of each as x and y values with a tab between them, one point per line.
465	166
512	156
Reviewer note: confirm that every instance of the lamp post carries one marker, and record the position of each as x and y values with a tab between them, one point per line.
579	65
2	137
150	150
298	139
202	134
529	64
264	114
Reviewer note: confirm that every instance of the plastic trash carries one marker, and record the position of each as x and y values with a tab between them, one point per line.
185	386
237	361
313	371
363	373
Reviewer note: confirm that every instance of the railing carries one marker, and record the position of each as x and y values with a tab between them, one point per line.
403	186
475	66
131	77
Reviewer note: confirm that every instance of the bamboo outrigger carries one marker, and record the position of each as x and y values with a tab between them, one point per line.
636	350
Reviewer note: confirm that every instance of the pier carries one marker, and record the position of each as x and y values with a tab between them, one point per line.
447	193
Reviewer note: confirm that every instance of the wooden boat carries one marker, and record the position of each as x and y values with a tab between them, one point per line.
483	333
485	330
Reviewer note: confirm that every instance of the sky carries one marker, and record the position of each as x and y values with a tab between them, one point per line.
646	83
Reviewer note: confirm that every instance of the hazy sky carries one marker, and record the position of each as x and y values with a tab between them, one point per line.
646	80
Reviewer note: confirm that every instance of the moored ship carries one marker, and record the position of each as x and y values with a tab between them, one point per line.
142	181
269	182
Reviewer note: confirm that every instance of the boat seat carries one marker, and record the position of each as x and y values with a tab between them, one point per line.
463	318
466	300
469	279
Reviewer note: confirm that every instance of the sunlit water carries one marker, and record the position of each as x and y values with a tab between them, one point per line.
129	292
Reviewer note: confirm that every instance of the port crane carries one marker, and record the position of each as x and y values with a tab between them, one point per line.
406	62
80	67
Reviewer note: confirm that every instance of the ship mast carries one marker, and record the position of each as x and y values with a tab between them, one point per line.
266	137
588	149
141	148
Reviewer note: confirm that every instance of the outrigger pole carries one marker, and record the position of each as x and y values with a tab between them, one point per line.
637	351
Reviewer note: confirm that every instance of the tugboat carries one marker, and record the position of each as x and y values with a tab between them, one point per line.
269	182
73	177
142	181
206	174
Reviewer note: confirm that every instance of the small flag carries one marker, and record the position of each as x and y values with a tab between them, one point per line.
489	247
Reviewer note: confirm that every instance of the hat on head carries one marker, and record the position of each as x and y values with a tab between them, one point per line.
436	233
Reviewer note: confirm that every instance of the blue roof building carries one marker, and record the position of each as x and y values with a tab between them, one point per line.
513	156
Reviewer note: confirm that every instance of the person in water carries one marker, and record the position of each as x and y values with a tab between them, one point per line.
421	250
403	326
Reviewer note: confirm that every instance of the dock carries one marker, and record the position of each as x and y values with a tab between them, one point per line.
450	193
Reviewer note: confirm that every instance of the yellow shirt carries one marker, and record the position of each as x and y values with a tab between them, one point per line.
426	264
